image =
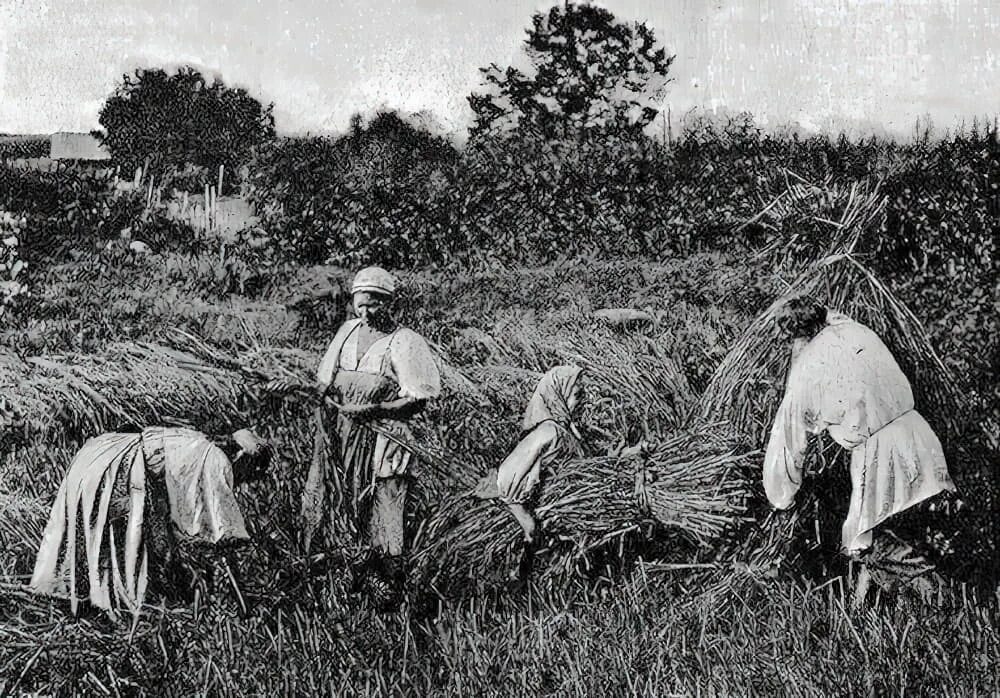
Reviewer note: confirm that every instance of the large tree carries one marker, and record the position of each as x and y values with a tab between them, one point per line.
182	118
591	73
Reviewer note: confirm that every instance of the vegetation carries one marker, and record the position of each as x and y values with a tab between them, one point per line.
172	121
592	75
641	627
17	147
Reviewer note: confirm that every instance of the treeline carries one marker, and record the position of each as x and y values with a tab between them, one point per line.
18	147
391	193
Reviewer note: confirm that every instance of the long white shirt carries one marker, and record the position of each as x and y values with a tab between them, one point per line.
846	382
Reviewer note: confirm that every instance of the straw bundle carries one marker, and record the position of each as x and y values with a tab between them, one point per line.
466	546
689	482
640	392
690	485
747	387
22	520
78	395
813	220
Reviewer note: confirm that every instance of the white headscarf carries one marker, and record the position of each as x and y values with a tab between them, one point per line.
550	401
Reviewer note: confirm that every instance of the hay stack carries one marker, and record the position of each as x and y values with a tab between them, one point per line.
690	486
748	385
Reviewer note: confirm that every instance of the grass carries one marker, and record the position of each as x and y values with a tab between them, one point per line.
647	636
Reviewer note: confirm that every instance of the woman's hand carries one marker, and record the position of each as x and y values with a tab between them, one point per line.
360	411
848	437
621	451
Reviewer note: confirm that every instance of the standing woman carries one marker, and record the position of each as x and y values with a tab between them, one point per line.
376	376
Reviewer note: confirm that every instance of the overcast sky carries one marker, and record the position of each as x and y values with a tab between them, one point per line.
816	62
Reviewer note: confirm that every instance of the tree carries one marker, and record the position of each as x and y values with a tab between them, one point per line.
181	119
592	73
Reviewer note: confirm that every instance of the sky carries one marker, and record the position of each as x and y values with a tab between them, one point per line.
855	65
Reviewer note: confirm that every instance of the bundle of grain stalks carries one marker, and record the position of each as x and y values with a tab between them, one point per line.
80	395
633	389
22	520
691	486
747	387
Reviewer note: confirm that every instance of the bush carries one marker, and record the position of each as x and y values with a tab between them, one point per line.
162	121
20	147
13	286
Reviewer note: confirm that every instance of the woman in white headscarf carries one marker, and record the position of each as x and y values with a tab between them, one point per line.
129	498
548	437
377	375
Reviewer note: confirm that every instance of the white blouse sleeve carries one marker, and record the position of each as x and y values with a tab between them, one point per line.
788	440
783	458
520	471
415	367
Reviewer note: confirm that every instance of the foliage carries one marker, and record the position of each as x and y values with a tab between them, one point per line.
12	267
18	147
489	215
172	120
591	74
359	197
65	209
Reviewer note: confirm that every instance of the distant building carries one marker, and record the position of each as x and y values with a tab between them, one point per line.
77	146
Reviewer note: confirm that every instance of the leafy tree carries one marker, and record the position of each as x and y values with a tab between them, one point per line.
181	119
377	194
592	73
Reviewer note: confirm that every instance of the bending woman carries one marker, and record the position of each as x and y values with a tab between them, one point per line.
548	436
126	502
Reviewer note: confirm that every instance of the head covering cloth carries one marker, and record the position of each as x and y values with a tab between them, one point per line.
374	280
550	401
